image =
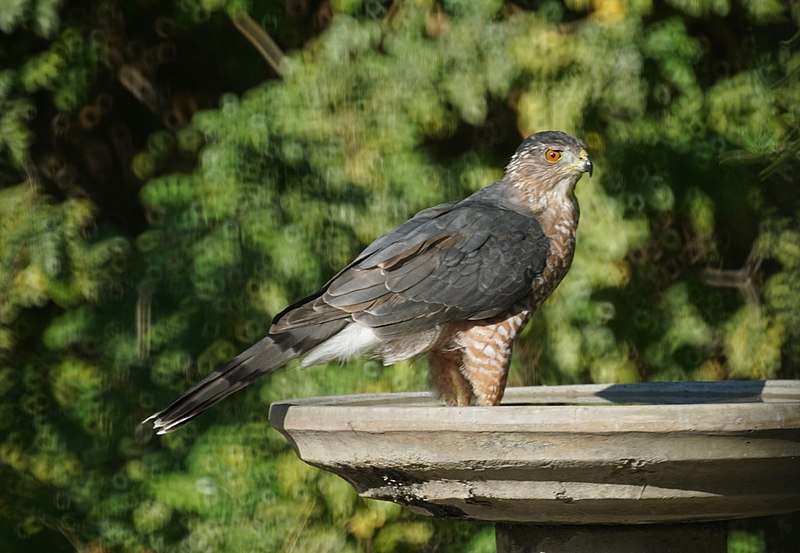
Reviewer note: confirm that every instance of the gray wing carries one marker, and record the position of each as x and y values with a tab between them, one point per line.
464	261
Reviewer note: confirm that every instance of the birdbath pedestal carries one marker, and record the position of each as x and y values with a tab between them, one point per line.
638	468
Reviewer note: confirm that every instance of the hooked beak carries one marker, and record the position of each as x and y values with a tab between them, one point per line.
585	164
587	167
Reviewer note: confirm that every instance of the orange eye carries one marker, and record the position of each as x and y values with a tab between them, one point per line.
552	155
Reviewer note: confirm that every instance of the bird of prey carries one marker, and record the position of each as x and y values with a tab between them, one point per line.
458	281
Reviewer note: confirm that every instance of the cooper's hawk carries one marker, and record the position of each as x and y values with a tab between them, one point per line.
457	281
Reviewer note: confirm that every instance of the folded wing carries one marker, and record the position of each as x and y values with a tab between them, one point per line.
464	261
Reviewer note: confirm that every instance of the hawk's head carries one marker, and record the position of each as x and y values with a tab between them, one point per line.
548	160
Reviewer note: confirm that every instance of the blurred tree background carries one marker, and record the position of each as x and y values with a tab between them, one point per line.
173	173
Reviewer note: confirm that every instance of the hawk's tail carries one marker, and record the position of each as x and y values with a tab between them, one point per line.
268	354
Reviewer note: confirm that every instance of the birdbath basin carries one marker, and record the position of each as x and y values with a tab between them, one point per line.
569	468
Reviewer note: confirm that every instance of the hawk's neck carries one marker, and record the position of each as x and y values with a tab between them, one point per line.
557	211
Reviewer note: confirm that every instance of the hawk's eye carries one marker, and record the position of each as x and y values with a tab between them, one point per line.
552	155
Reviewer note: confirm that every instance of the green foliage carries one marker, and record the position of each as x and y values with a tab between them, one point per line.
40	15
45	258
740	541
403	536
163	195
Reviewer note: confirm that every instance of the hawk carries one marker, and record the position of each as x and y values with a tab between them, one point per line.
457	281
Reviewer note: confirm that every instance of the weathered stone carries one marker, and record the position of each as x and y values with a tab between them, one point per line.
597	454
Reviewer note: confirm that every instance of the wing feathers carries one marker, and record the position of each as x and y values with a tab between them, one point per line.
453	262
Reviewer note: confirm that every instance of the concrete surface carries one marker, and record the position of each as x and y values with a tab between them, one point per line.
565	455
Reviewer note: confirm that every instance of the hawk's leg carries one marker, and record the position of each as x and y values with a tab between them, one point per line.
486	376
487	356
447	379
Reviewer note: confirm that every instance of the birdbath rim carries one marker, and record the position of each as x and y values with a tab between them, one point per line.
661	452
649	407
679	392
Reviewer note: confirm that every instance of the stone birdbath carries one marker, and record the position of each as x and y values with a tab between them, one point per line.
633	468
